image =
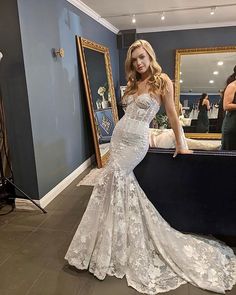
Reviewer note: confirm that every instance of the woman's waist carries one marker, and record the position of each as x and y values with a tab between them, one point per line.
133	125
140	121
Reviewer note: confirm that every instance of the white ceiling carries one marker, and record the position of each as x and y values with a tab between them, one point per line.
197	70
188	14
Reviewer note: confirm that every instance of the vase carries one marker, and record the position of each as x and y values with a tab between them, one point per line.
105	103
99	104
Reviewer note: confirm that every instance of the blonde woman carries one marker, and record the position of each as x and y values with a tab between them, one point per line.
121	232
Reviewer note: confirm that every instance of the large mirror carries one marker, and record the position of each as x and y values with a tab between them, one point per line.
97	74
198	72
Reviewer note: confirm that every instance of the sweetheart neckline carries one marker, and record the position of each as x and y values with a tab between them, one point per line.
148	94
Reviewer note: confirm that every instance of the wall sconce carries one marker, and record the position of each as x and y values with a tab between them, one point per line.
58	52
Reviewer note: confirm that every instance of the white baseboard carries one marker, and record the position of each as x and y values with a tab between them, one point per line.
52	194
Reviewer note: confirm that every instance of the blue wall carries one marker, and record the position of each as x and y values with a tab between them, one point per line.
61	132
194	99
165	44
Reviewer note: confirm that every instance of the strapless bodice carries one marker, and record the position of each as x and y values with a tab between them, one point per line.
142	107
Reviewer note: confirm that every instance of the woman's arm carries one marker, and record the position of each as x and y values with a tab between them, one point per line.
168	101
229	97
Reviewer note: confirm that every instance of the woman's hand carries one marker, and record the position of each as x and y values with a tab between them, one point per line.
182	151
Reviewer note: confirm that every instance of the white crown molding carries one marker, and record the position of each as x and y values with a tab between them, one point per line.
186	27
83	7
52	194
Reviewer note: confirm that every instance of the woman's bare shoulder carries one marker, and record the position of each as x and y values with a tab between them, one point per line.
233	84
231	87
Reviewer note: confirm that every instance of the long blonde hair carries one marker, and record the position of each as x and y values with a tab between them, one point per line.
157	84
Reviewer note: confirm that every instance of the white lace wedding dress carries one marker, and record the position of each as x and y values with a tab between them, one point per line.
122	234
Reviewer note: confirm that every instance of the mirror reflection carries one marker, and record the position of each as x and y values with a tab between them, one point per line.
200	80
100	95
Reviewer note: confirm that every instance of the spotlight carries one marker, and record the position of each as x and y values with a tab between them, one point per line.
211	81
220	63
181	81
213	9
163	16
215	73
133	19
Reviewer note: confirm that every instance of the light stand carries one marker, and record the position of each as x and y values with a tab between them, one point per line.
4	181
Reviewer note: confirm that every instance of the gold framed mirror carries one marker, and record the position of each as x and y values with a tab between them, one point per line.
99	88
199	71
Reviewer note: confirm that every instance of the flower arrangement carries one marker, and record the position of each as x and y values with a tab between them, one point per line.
105	99
101	91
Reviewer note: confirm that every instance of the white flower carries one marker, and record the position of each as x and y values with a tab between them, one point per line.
101	90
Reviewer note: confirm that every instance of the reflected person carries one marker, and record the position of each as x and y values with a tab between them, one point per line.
229	122
202	119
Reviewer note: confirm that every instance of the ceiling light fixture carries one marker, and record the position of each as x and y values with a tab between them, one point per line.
189	8
163	16
181	81
220	63
213	9
215	73
211	81
133	19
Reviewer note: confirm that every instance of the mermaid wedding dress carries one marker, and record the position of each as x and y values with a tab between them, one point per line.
122	234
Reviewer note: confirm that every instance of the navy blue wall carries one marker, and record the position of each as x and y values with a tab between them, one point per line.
165	44
194	99
60	124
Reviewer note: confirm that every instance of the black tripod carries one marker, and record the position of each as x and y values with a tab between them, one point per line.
7	188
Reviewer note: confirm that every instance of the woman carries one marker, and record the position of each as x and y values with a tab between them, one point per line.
202	119
229	122
121	232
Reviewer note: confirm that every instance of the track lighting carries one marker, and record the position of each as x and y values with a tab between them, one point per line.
179	9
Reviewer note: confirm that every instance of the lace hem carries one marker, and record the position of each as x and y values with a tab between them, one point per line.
230	268
139	287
